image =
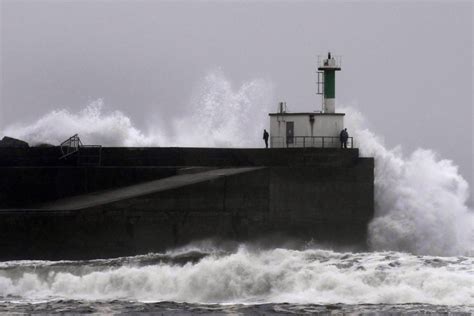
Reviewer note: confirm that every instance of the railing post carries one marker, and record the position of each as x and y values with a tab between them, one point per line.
323	141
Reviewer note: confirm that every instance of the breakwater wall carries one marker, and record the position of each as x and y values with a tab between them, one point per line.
325	195
178	156
22	187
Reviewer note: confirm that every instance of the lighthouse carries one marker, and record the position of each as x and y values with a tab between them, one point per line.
311	129
328	69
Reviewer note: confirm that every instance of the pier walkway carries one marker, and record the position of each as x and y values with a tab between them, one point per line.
132	191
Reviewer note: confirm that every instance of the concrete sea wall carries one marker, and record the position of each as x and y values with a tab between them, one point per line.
177	156
26	186
321	195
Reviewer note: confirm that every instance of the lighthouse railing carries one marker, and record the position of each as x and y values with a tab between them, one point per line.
309	141
336	61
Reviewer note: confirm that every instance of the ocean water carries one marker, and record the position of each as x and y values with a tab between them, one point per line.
243	280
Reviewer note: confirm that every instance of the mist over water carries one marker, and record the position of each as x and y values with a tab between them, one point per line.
420	198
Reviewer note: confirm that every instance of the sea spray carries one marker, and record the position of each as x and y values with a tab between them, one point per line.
310	276
218	116
221	116
420	200
93	124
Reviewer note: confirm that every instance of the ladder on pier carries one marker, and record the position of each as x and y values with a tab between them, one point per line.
87	155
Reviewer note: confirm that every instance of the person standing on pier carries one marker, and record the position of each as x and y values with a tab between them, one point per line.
265	137
343	136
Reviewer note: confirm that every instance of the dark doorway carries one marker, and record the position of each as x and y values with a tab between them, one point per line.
290	132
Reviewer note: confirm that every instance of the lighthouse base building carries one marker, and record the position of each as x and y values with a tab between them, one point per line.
309	129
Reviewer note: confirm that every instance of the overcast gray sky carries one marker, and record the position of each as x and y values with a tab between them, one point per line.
406	65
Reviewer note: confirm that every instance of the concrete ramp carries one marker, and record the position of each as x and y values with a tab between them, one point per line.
110	196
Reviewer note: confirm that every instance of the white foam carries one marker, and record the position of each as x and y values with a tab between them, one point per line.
278	275
220	116
92	125
217	116
420	199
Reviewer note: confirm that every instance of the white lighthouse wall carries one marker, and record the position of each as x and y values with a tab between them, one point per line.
323	125
330	105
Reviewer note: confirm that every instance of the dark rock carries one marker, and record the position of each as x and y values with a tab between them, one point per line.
44	145
13	142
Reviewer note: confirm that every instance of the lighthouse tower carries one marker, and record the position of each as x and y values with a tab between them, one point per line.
328	69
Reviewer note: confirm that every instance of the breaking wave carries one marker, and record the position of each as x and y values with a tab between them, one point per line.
249	276
420	199
217	116
91	123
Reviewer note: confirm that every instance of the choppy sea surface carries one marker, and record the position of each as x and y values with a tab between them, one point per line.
244	280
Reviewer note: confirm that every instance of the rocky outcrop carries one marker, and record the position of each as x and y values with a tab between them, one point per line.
13	142
44	145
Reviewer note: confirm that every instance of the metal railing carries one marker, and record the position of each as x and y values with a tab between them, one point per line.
309	141
86	154
335	61
70	146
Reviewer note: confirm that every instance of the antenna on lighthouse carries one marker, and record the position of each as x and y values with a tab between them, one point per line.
326	83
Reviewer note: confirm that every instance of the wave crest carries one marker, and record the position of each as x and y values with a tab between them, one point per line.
277	276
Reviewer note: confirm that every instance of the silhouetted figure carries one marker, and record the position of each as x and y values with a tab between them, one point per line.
344	136
265	137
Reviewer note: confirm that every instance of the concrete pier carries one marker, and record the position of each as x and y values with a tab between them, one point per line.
151	199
